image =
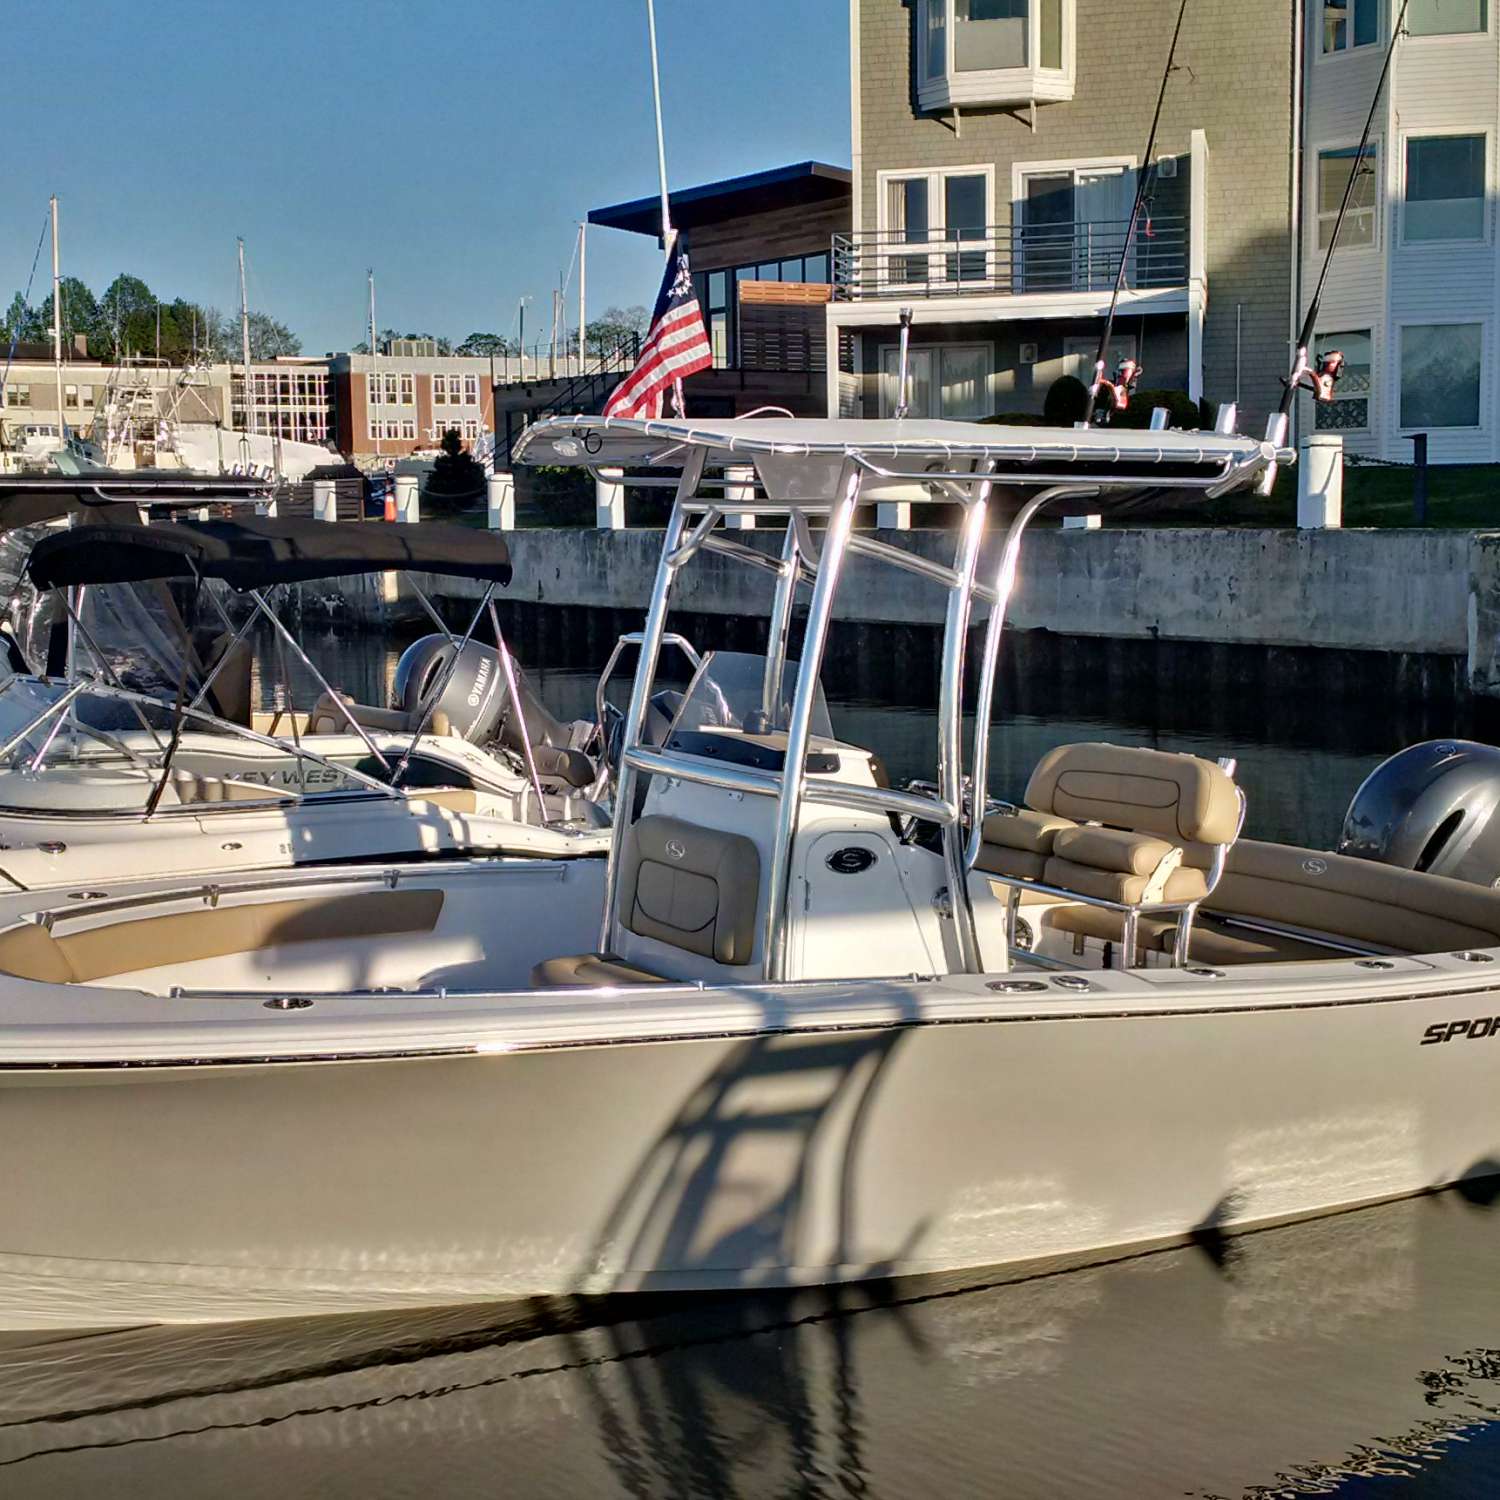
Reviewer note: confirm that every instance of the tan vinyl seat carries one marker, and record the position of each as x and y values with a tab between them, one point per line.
30	951
326	718
693	888
1137	830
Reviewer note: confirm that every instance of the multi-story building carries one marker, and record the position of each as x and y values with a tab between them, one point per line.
996	148
392	405
1413	296
373	407
759	247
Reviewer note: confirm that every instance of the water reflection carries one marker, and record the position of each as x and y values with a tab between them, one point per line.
1362	1345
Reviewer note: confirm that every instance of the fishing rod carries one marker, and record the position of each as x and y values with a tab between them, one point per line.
1321	382
1131	370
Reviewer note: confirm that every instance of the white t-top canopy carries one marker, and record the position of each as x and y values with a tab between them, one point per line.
802	454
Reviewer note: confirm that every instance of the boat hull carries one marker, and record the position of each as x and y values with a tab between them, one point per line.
233	1191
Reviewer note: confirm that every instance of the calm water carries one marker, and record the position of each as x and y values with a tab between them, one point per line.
1357	1356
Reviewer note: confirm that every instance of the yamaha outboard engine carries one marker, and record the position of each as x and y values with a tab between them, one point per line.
1431	807
477	703
474	699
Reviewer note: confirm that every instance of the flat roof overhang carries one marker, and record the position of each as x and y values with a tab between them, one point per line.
803	183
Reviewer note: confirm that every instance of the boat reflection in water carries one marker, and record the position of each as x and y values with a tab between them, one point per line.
1284	1362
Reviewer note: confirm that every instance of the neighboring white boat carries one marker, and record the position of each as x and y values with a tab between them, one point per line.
101	781
802	1027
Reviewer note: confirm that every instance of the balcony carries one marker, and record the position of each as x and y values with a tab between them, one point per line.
1046	262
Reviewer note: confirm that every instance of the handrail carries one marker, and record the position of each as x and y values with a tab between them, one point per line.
728	777
1011	259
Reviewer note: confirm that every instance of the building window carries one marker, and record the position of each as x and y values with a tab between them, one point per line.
471	390
372	390
993	51
439	390
18	395
1349	411
408	429
1441	366
952	206
1446	17
1444	188
408	390
392	390
471	428
1334	169
88	396
372	428
1350	23
1073	222
70	395
946	380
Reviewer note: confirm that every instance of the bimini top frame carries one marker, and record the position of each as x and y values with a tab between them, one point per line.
831	468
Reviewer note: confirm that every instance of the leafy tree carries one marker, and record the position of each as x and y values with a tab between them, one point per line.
268	338
615	326
22	323
485	344
456	477
128	312
80	313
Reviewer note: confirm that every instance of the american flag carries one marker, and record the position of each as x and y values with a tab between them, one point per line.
676	345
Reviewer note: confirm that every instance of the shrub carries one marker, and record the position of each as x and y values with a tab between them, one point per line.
1067	400
1182	410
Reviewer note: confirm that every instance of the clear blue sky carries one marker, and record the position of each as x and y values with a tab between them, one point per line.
451	146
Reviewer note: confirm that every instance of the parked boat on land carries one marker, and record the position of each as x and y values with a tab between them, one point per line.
802	1026
104	778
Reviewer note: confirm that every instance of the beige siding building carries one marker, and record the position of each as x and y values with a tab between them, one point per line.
996	147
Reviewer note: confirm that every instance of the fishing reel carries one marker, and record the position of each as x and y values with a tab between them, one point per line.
1320	379
1119	390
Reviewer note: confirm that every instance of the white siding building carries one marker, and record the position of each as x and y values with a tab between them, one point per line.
1413	298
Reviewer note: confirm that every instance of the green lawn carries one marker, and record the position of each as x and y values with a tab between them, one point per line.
1458	495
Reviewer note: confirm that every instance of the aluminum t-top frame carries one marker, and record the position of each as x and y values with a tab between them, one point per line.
829	469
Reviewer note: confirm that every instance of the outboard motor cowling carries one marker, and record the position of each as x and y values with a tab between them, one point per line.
1431	807
473	699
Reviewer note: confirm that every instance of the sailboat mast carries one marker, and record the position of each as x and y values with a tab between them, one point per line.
57	358
245	343
583	275
374	382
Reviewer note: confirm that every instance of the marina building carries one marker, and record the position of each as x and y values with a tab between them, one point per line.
1413	298
996	146
760	247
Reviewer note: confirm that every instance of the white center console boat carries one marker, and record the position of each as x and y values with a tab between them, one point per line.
102	780
804	1026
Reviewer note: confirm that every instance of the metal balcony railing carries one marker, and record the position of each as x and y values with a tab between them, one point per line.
1009	260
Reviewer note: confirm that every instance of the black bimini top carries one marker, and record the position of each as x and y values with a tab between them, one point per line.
256	553
34	499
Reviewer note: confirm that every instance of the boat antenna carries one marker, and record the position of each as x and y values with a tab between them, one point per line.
1120	391
1303	377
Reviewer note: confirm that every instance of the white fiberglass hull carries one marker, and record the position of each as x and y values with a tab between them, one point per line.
681	1138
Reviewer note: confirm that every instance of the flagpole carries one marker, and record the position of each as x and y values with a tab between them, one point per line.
661	145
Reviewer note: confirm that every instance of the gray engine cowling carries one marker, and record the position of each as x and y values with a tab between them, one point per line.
1431	807
474	698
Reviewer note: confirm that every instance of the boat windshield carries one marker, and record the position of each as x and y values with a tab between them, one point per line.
741	690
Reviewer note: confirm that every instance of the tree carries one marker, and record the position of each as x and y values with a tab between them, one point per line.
269	339
615	326
22	323
485	344
456	477
80	314
127	311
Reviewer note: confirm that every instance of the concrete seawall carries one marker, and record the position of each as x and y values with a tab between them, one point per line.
1424	593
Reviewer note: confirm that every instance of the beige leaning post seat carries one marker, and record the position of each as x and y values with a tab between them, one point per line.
1121	831
692	888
